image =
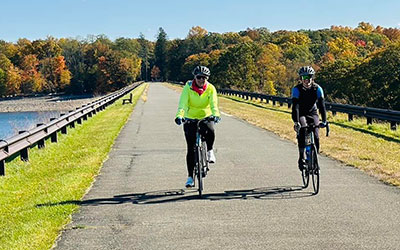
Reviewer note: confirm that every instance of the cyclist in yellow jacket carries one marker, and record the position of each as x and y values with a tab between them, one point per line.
198	101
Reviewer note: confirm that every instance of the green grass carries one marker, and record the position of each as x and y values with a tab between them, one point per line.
62	171
374	148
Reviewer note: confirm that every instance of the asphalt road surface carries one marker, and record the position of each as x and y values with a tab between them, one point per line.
253	196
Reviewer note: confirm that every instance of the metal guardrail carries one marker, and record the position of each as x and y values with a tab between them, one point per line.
37	136
391	116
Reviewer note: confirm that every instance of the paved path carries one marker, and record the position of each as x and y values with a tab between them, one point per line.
253	196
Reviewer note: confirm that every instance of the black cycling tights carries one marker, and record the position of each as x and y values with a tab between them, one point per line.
206	129
304	121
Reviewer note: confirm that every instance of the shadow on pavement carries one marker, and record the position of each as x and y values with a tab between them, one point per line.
176	195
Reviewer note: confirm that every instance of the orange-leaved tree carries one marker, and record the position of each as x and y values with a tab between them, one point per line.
155	73
31	79
56	74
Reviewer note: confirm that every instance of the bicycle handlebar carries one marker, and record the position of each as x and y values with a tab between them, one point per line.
321	125
188	120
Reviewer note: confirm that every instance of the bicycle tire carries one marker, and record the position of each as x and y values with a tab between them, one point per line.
315	171
199	170
195	169
204	158
306	177
305	174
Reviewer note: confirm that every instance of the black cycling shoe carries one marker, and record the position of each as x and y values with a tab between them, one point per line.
302	165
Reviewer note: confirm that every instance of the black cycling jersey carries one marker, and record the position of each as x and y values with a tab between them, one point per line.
305	102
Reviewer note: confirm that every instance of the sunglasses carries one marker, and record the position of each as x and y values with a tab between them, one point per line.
305	77
201	77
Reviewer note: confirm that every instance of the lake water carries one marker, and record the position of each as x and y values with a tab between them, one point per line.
12	122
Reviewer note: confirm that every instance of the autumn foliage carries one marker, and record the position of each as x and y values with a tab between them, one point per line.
66	65
358	66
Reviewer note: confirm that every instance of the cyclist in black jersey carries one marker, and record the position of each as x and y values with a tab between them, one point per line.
307	97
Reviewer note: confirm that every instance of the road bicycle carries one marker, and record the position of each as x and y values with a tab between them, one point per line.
312	166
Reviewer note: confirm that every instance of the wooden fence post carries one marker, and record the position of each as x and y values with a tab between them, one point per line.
2	168
350	117
393	125
53	136
40	143
24	153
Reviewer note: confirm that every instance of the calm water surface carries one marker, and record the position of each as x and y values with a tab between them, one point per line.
12	122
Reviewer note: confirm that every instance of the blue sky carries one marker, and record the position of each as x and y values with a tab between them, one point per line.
37	19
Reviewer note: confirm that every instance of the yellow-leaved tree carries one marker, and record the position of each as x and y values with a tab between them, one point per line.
270	69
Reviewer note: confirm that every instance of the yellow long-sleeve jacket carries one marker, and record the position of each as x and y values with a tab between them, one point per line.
195	106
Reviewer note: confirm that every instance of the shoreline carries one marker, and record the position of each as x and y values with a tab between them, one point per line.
45	103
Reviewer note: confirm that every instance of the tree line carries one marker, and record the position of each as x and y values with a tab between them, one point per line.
93	65
359	66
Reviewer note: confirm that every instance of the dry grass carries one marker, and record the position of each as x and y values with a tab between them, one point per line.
372	148
144	95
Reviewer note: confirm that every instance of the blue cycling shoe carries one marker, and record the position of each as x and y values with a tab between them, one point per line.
189	182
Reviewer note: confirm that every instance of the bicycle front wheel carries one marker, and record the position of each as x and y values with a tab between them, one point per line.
315	171
305	173
305	176
204	158
199	167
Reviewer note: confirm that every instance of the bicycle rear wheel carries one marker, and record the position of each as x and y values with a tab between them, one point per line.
199	170
315	171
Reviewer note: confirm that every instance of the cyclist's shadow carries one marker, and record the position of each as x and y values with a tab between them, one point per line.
166	196
181	195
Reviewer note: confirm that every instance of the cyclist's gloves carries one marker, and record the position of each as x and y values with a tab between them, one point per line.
217	119
323	124
178	121
297	127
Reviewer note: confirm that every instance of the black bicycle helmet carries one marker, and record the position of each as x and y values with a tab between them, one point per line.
306	70
201	70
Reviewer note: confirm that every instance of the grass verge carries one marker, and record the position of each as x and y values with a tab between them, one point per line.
63	171
372	148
